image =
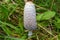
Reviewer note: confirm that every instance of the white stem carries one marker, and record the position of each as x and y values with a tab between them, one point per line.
30	33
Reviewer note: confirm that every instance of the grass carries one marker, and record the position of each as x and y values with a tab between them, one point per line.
48	20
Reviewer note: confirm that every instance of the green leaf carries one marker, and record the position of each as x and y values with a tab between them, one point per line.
6	30
46	15
4	12
39	16
7	1
4	9
44	23
10	25
21	24
57	23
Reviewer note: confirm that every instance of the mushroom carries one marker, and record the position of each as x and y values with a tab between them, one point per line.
29	16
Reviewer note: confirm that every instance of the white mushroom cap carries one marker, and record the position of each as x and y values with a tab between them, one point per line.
30	16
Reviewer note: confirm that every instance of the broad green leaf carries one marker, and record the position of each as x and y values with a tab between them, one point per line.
46	15
39	16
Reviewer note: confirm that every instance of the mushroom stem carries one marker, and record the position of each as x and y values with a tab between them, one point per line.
30	33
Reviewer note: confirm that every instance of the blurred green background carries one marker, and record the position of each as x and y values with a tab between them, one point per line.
48	20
